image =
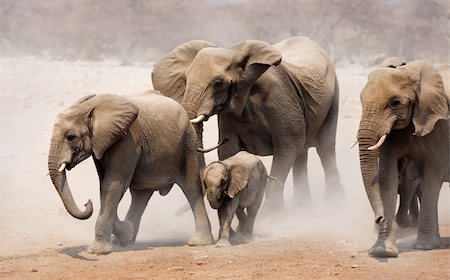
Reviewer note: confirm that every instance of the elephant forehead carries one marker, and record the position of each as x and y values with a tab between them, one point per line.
67	119
214	174
214	58
386	82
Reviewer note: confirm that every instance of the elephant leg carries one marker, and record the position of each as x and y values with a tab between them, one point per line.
414	211
115	181
274	192
302	193
192	189
428	229
226	213
242	217
122	232
111	192
202	235
385	246
326	151
407	192
139	201
326	143
251	217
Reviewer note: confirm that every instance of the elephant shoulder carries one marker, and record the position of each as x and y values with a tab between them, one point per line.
309	63
160	107
302	52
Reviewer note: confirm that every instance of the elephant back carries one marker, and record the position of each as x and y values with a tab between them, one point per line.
310	64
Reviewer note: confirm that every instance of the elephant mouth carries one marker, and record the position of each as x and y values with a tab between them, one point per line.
65	166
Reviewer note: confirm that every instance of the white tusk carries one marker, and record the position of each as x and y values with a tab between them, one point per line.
62	167
198	119
377	145
354	144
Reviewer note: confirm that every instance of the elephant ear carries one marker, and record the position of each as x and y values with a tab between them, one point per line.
168	76
82	100
238	180
257	57
431	100
110	118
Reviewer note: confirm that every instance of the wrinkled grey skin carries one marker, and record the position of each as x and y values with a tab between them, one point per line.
231	186
408	104
410	178
275	100
144	143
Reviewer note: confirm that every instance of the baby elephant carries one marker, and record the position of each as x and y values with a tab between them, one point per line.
231	186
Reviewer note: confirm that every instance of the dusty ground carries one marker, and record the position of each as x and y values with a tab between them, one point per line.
39	240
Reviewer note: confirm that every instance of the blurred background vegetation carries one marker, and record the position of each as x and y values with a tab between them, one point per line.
139	31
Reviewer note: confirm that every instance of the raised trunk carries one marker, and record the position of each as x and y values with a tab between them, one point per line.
59	180
369	169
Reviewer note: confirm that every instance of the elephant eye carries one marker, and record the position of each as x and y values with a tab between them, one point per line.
70	137
218	83
395	103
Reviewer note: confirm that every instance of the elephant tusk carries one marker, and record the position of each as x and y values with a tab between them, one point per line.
377	145
198	119
62	167
354	144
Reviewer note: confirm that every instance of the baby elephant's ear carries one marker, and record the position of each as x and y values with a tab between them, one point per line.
238	181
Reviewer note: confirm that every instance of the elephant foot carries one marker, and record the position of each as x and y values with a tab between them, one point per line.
223	243
123	233
403	220
302	200
100	247
384	249
273	207
201	239
240	237
427	241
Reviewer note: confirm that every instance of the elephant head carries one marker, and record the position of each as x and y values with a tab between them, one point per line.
395	98
221	180
88	127
207	80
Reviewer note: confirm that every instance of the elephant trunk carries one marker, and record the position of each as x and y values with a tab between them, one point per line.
370	169
191	104
59	180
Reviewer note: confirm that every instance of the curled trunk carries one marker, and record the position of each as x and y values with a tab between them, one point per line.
59	180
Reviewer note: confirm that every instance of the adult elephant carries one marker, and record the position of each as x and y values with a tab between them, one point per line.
144	143
405	114
265	106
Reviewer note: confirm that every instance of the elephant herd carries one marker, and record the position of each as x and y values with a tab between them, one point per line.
277	100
